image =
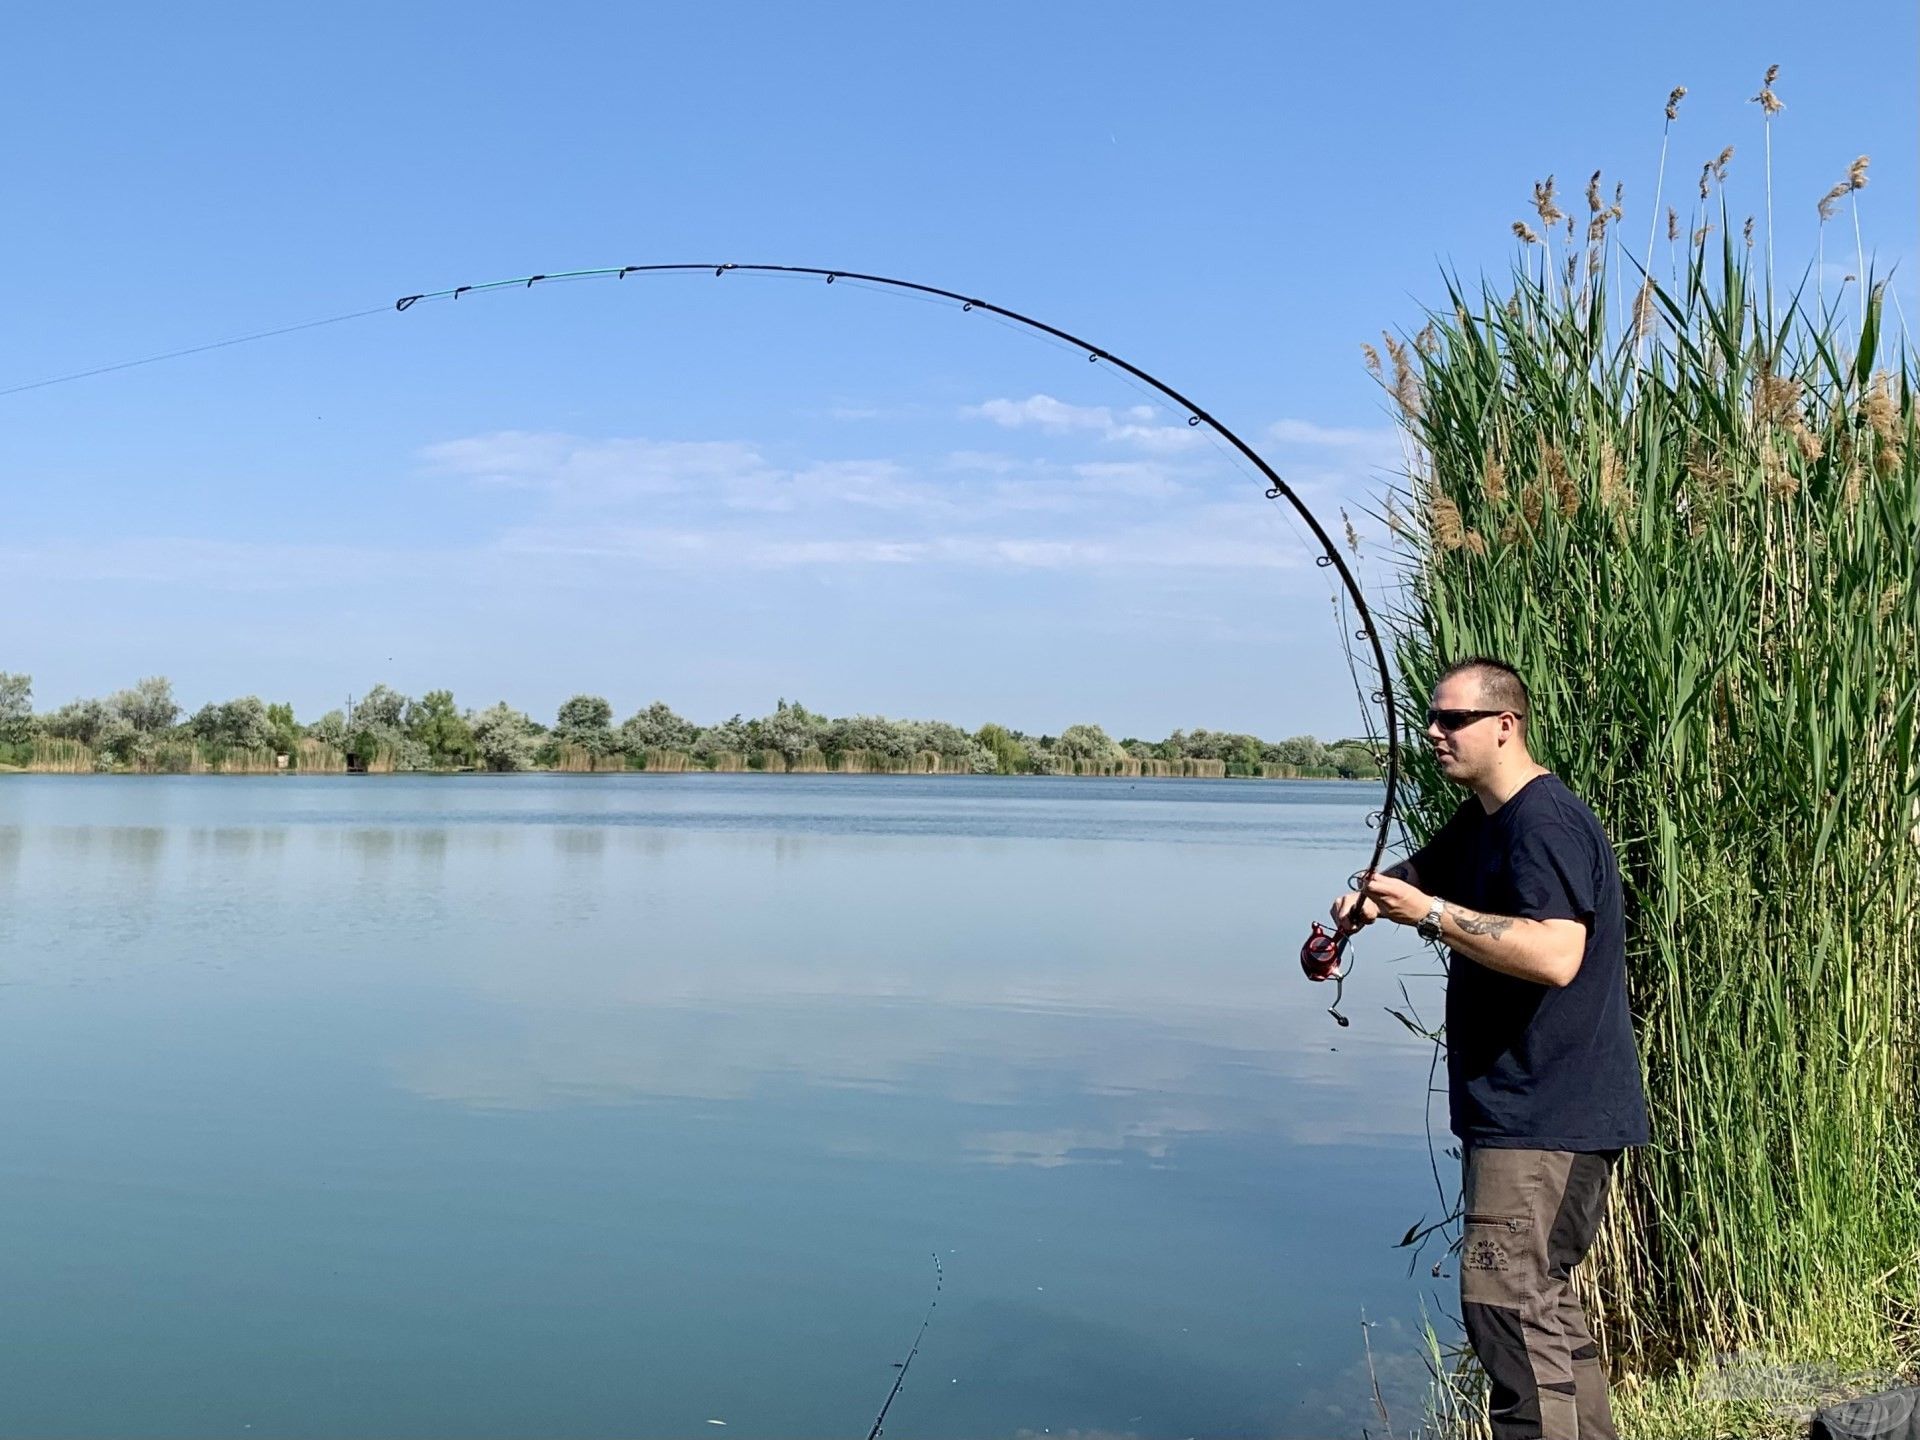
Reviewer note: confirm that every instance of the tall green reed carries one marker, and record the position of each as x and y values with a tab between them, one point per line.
1695	530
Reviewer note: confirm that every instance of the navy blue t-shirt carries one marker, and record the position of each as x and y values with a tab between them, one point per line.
1538	1066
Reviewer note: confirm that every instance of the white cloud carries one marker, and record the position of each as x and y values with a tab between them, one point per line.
249	565
598	470
1136	425
1214	537
710	550
724	506
1308	432
874	484
1043	411
1351	453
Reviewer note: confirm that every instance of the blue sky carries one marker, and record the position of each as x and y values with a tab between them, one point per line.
720	493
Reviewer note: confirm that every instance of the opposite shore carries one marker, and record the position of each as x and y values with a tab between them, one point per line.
143	730
57	758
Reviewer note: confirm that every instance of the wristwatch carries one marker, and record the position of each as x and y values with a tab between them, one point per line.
1429	928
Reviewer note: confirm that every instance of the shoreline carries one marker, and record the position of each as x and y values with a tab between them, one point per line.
656	774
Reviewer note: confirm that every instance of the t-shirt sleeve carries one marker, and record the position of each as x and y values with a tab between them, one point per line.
1554	875
1436	862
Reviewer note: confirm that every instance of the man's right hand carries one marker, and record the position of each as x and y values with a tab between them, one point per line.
1351	912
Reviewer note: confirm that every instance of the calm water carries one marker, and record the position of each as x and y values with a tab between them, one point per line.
620	1106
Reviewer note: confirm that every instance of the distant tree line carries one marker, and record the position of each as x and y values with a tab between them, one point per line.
141	727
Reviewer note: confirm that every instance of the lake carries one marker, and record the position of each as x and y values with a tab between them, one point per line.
593	1106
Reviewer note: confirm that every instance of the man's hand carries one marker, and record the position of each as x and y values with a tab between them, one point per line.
1353	912
1398	901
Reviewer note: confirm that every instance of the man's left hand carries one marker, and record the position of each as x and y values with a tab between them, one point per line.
1399	902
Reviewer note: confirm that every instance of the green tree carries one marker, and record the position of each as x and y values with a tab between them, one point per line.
1353	761
1303	751
94	723
875	734
149	707
434	722
1086	742
1009	755
730	735
16	709
240	724
505	738
1242	750
586	721
792	729
378	728
381	708
657	728
284	728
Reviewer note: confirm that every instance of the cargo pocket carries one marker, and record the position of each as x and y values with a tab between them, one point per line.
1496	1260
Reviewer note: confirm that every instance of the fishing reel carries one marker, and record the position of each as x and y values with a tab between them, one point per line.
1320	960
1324	949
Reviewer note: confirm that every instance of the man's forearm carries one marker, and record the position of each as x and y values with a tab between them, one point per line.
1538	950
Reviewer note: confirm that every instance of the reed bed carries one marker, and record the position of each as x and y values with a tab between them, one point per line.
931	762
666	762
867	762
1281	770
245	761
190	757
316	757
1126	766
169	757
60	757
1169	769
1696	531
578	760
1131	767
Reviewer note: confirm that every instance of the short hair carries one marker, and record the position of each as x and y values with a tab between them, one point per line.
1501	687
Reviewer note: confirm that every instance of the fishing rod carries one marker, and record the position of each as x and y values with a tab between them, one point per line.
939	1278
1323	956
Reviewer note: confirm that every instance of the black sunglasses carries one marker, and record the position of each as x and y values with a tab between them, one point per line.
1452	720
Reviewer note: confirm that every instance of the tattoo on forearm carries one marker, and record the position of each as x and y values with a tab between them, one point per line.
1474	923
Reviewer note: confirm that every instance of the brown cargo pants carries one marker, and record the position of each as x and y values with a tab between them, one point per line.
1530	1218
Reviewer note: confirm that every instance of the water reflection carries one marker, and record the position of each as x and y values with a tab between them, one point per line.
381	1072
136	848
578	842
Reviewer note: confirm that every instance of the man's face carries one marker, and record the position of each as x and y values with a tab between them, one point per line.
1468	754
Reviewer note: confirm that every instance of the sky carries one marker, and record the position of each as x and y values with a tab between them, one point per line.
725	492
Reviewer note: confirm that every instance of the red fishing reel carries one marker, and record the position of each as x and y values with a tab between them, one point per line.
1320	956
1320	959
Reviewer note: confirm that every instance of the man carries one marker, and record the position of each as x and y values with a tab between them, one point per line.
1542	1076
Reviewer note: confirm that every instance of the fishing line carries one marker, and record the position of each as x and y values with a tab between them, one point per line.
191	350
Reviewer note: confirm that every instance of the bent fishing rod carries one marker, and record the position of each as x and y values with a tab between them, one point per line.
1323	956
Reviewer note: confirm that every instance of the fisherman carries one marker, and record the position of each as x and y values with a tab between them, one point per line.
1543	1080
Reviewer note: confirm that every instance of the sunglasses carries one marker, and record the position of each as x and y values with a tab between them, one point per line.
1452	720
